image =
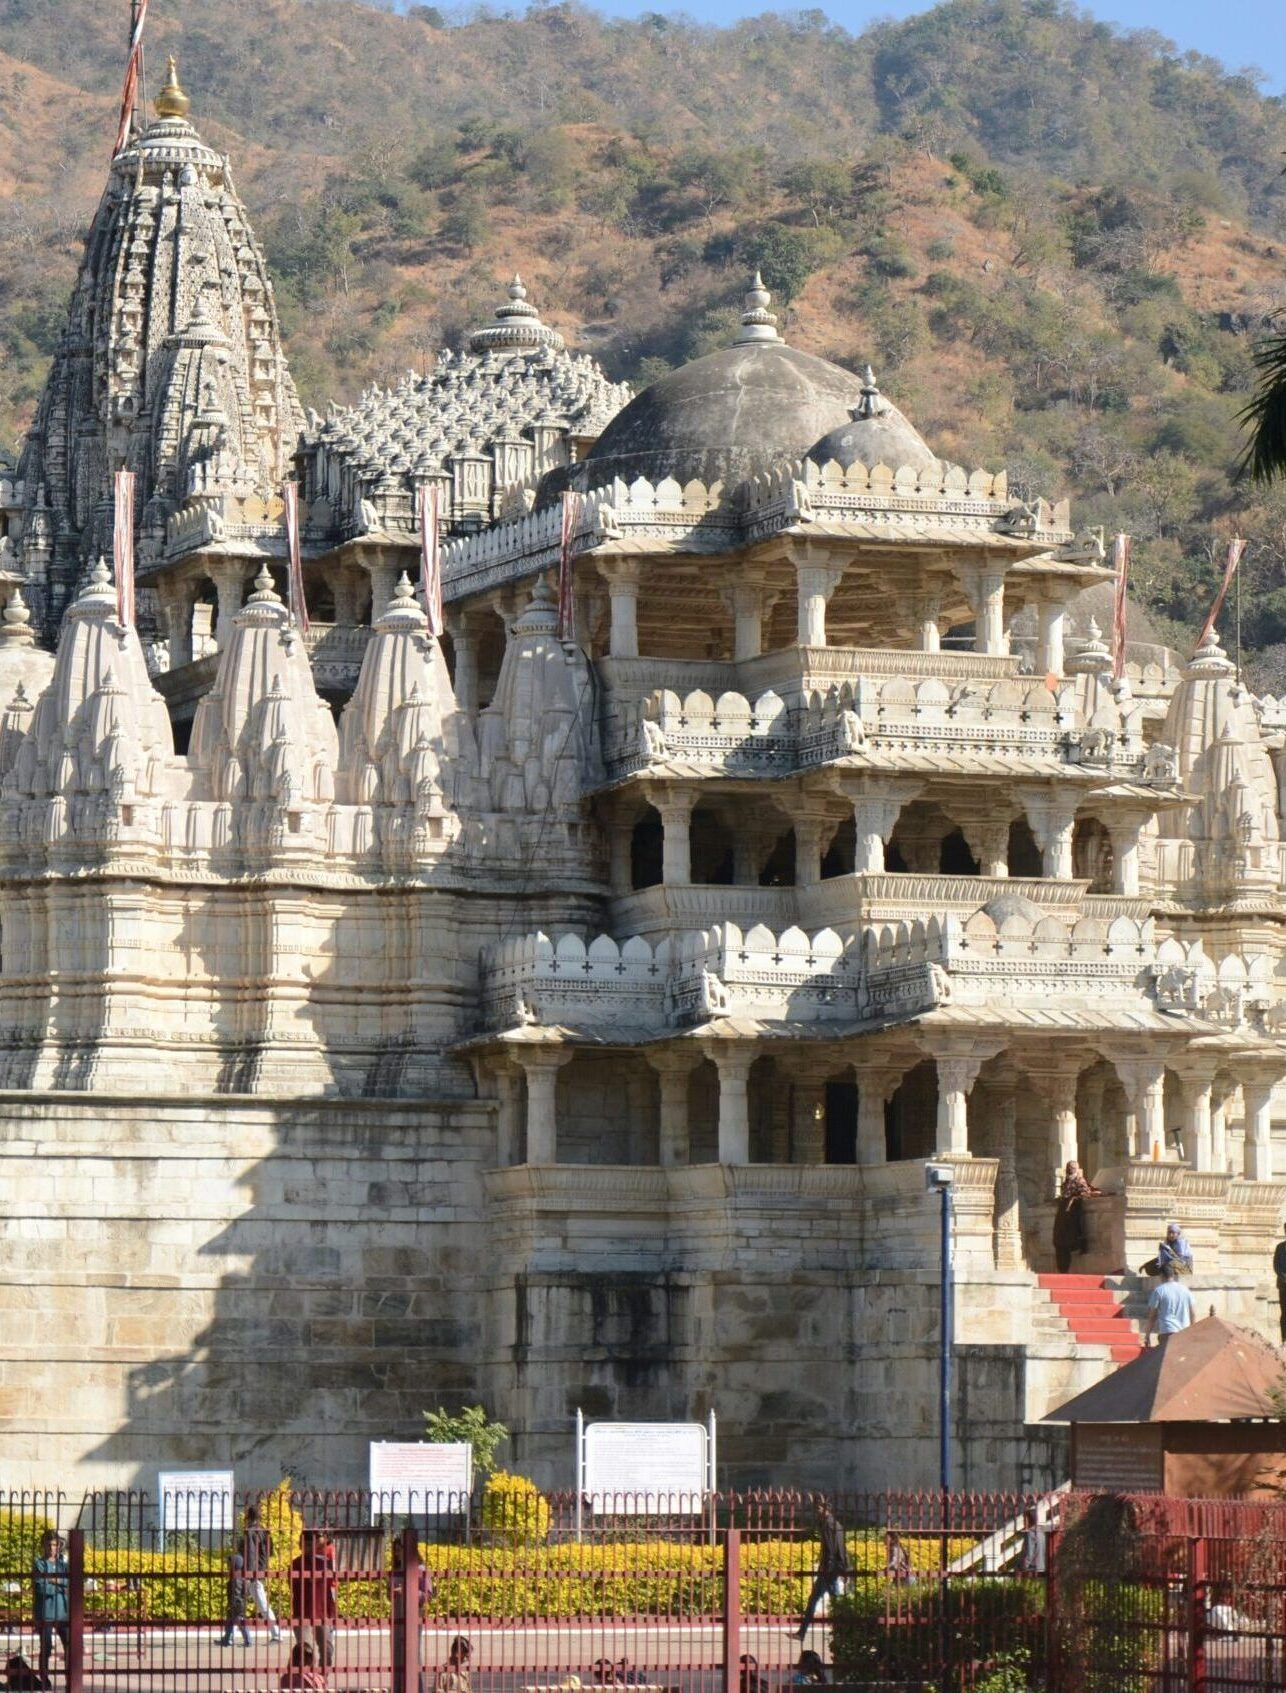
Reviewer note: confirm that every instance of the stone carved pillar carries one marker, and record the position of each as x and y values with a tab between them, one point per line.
1052	816
675	807
876	804
508	1115
988	841
1050	656
228	576
990	611
817	581
875	1087
1220	1095
745	600
541	1069
673	1066
956	1076
383	569
1144	1082
926	609
1198	1142
809	830
178	600
1258	1151
733	1061
622	577
620	847
1064	1143
1007	1231
1124	831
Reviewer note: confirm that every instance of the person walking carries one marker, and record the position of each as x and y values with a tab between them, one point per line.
1279	1270
234	1610
1171	1306
313	1599
1069	1215
50	1581
256	1552
832	1565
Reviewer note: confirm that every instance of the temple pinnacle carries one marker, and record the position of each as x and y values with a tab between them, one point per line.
757	322
172	102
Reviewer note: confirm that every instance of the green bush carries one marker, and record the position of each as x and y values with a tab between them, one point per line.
882	1631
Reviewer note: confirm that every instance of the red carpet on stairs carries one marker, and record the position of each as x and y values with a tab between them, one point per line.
1094	1313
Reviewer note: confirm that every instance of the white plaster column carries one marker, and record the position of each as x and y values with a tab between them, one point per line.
673	1066
733	1060
675	807
1052	816
541	1070
383	569
508	1114
875	1087
622	578
228	576
990	636
956	1076
1050	655
1258	1153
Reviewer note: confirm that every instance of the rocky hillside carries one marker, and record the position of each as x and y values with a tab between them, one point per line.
1056	242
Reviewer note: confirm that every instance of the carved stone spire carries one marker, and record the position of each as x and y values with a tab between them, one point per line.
170	363
757	322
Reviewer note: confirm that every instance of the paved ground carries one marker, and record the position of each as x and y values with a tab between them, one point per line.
685	1656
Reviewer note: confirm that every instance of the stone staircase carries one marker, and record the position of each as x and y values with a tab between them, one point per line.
1096	1311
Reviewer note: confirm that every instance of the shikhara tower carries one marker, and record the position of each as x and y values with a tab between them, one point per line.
387	1021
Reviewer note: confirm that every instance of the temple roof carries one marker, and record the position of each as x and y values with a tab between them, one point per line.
170	364
746	408
514	375
877	433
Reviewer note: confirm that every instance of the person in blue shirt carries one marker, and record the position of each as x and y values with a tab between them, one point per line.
1170	1307
50	1585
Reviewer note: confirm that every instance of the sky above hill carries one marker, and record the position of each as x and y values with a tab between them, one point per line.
1240	33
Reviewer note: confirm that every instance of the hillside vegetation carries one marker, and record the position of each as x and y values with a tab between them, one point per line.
1057	242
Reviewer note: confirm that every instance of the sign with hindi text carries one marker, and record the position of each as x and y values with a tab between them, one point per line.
420	1476
628	1464
192	1500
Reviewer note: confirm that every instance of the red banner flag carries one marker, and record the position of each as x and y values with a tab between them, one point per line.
295	575
1121	563
566	574
1236	547
123	545
133	71
431	555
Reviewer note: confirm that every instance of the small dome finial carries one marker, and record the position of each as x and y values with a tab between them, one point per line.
757	322
172	102
872	403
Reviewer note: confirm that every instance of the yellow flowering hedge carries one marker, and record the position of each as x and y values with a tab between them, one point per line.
627	1578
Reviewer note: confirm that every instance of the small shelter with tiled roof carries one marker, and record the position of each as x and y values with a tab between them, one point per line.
1200	1414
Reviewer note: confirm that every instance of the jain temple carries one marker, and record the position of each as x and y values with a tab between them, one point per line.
561	1018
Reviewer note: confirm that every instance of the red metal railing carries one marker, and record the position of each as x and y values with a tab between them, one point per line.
1067	1593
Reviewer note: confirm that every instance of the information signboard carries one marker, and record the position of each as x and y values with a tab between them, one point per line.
422	1477
634	1467
192	1500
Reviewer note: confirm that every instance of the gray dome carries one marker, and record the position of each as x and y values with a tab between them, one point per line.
747	408
876	433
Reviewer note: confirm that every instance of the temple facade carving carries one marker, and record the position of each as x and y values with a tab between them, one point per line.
565	1019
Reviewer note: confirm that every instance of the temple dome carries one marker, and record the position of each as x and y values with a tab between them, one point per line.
876	433
747	408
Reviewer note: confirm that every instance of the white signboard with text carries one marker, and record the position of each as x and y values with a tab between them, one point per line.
626	1465
432	1478
195	1499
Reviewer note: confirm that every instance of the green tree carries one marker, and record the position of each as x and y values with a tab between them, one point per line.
786	258
469	1425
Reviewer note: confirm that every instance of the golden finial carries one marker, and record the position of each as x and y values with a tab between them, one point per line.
172	102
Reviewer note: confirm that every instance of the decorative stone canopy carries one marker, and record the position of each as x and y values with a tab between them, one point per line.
495	417
745	409
170	365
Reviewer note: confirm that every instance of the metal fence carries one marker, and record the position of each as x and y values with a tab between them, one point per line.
531	1593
